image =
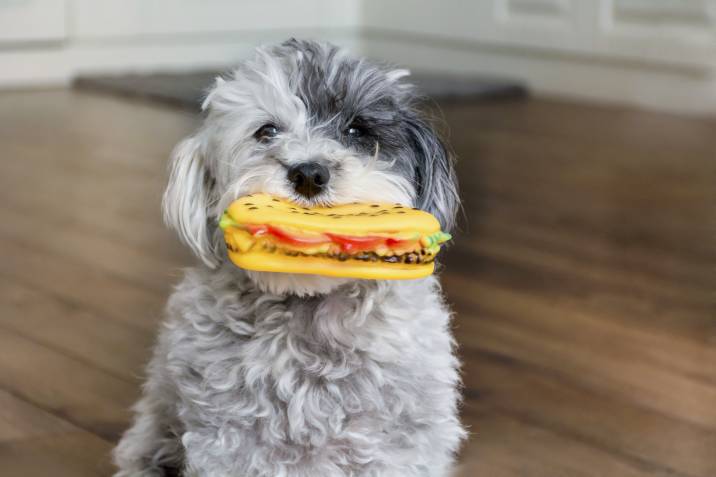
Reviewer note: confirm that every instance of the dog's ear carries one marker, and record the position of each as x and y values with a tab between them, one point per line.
436	182
188	198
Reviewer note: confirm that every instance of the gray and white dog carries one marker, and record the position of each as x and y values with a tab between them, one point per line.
279	375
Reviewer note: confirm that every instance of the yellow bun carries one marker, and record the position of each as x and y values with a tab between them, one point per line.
273	262
361	219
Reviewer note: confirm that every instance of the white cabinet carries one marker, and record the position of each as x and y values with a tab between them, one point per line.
678	32
653	53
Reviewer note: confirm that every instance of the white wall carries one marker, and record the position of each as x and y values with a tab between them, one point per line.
52	41
653	53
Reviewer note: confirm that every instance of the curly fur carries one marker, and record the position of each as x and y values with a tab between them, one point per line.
260	374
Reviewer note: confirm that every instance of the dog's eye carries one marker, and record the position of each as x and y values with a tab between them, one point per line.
354	131
266	132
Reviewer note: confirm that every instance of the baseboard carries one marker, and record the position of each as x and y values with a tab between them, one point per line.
59	64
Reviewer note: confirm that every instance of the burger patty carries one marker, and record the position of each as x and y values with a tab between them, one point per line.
412	258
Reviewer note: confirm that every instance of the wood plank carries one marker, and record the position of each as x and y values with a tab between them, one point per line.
36	443
564	318
641	297
601	276
80	393
677	271
90	251
616	199
503	445
80	286
77	127
621	127
107	191
590	352
544	398
114	208
108	345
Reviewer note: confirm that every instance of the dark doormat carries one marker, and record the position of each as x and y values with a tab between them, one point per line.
187	89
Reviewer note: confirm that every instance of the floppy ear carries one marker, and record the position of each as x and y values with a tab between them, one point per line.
436	182
188	197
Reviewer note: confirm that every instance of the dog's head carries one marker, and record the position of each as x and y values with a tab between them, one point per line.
306	121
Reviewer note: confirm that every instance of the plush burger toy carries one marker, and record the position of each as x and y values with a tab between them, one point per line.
373	241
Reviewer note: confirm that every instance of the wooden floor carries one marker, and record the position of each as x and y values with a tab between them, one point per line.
584	283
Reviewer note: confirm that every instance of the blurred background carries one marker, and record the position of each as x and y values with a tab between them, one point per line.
583	277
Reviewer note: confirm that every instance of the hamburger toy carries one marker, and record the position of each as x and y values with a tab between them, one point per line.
372	241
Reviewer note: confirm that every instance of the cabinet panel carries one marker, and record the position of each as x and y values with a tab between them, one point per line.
695	14
552	24
535	10
680	32
546	24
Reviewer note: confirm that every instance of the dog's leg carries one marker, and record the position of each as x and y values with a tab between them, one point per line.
152	446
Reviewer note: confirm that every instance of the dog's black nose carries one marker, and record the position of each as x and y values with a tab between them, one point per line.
309	178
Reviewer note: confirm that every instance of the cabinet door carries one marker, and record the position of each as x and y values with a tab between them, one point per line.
672	31
28	21
553	24
564	25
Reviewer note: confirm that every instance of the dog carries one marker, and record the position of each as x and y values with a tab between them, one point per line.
259	374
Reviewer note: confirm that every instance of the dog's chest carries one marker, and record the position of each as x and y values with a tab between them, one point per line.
341	382
286	383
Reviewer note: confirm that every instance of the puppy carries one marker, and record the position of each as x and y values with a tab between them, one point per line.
275	375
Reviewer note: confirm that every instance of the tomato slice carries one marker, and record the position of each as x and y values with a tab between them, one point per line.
397	243
350	243
256	230
290	238
286	237
347	243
